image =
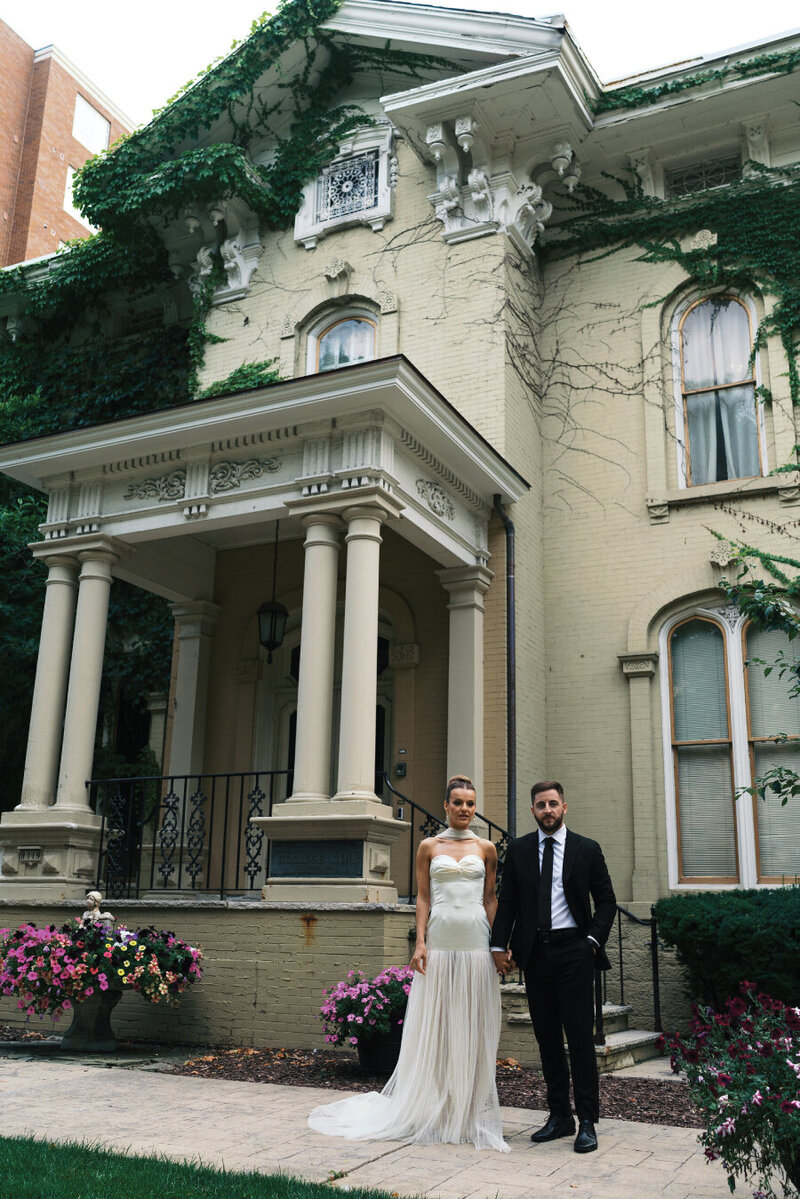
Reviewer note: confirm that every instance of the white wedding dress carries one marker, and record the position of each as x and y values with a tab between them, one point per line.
444	1086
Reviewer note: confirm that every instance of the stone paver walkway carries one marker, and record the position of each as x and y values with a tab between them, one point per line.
246	1126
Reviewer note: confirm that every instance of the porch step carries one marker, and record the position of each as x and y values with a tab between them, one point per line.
625	1049
515	1009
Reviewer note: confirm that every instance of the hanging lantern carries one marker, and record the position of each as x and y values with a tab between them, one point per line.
272	615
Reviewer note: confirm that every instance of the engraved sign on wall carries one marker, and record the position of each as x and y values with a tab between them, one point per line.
317	859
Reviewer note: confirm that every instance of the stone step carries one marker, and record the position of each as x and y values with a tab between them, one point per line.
515	1010
625	1049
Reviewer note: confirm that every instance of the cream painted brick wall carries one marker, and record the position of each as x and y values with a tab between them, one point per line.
264	971
602	553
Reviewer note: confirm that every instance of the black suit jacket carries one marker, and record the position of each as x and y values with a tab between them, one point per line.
585	877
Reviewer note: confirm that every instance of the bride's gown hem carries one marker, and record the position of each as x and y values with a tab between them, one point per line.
443	1089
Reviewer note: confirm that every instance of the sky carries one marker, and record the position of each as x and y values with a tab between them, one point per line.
141	54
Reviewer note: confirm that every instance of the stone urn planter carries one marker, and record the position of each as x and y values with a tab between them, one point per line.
379	1054
91	1031
86	964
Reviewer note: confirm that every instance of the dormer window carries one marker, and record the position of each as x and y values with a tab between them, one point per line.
343	342
356	188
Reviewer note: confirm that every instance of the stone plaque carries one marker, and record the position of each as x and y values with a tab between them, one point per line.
317	859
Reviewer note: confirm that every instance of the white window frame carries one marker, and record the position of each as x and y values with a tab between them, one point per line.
80	119
677	385
731	623
335	317
308	230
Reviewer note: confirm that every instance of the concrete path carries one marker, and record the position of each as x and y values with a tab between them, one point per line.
247	1126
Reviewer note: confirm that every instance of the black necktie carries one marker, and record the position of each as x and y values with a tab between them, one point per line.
543	911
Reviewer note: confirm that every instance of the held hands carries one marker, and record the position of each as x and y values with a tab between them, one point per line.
419	960
503	961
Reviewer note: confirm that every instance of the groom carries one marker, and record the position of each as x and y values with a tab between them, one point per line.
544	913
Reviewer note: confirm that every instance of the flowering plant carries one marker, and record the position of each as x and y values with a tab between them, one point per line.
359	1008
50	969
743	1069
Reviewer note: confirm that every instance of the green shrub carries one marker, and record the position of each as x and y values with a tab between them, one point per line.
722	937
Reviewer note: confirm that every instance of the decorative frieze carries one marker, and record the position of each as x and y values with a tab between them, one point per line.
436	498
722	554
167	487
226	476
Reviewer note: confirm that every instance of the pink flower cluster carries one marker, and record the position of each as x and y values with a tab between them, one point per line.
359	1008
50	969
743	1070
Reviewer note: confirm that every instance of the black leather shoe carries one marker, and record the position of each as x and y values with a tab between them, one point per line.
586	1140
556	1126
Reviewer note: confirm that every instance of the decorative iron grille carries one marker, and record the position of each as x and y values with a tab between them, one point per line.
348	186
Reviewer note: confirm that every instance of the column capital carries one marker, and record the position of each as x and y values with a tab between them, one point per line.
55	558
466	578
372	500
195	617
638	666
97	546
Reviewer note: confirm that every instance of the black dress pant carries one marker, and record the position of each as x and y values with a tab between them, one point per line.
559	982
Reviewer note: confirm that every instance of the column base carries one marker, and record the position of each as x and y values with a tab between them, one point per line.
44	855
330	850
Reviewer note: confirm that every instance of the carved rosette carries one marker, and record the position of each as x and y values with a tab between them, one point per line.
437	499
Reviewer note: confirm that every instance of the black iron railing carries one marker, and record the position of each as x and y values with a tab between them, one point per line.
189	832
601	980
426	824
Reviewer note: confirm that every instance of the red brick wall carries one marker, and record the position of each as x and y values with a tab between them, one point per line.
44	94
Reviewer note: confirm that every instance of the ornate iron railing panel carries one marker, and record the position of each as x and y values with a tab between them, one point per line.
183	833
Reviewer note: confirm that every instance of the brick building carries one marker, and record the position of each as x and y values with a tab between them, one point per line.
54	118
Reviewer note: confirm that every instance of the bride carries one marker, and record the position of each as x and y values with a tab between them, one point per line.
444	1086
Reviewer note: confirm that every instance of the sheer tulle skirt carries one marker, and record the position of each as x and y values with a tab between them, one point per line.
444	1086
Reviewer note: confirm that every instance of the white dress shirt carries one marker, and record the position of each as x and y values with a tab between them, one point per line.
560	915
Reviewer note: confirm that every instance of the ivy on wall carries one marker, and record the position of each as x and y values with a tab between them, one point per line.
756	222
780	63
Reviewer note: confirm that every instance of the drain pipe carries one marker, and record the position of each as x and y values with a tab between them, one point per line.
511	670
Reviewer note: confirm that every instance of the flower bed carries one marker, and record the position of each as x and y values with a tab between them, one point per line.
51	969
743	1069
360	1008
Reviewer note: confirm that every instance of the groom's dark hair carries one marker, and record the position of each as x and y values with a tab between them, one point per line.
458	781
546	786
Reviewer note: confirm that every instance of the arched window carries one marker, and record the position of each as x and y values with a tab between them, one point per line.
730	722
344	341
719	421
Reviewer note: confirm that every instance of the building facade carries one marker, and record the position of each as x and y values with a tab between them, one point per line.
54	118
448	359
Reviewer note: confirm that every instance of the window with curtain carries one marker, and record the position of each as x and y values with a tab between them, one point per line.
345	341
731	721
718	389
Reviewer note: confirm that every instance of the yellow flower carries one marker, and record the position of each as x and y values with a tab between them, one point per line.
120	972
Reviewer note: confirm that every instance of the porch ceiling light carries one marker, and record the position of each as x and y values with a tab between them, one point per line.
272	615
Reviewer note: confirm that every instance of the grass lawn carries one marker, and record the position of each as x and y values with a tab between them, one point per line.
32	1169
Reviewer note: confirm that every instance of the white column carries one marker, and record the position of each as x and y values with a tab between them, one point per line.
85	672
312	759
356	778
50	686
195	623
467	586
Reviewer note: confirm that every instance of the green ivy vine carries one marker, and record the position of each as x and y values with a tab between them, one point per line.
779	63
757	226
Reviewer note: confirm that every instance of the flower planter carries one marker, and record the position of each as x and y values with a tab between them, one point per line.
379	1054
90	1031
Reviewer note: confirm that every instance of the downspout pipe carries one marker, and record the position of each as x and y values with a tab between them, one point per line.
511	669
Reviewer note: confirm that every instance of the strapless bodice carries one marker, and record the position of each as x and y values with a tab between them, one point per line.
458	919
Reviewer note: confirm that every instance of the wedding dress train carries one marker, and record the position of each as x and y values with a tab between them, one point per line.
444	1086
